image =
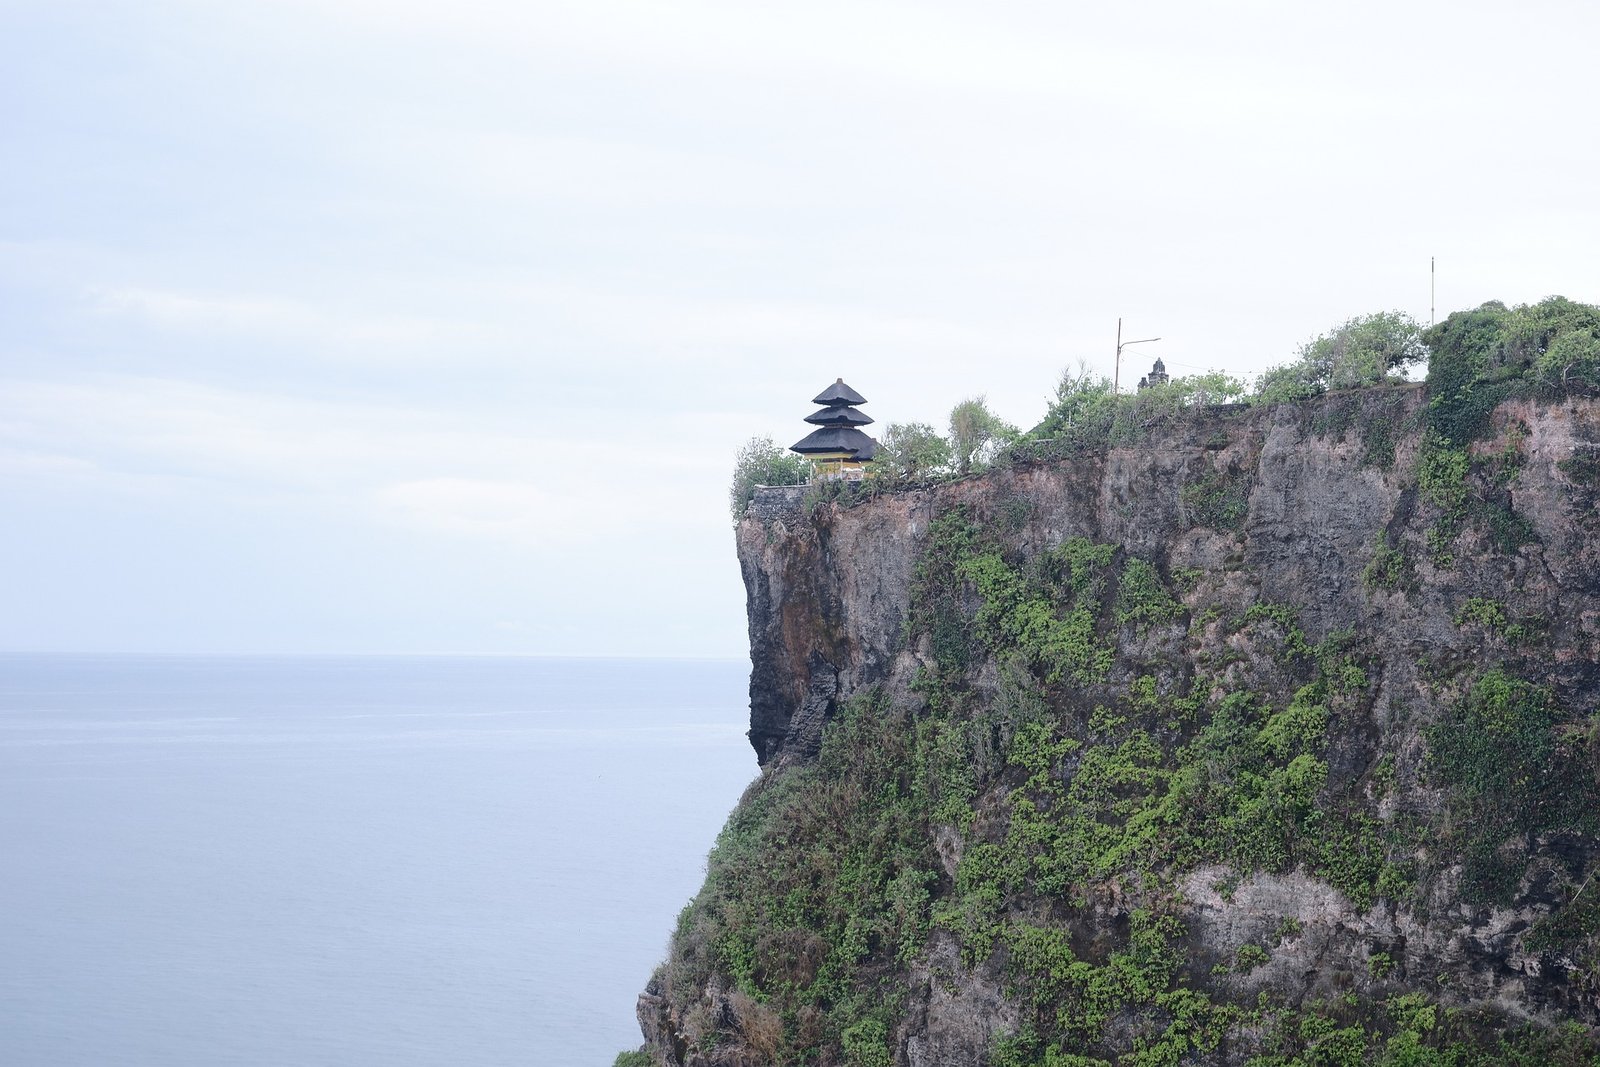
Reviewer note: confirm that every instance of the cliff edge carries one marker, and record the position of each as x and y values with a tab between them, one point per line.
1269	739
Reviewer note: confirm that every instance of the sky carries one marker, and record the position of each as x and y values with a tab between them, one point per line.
399	327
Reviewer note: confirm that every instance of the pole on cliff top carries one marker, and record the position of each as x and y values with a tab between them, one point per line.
1432	289
1116	373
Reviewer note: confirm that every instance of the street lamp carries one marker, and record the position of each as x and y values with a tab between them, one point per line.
1116	375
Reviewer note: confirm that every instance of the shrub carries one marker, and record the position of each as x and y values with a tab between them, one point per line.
1083	411
1478	358
1171	403
1219	499
1250	957
1142	600
912	452
1442	475
762	462
1378	442
1387	567
760	1024
1491	615
866	1045
1463	350
1582	470
977	434
1286	384
820	934
937	593
1557	340
1365	350
1086	415
1497	750
1042	618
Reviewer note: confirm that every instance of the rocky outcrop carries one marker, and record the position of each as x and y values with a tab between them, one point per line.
1315	515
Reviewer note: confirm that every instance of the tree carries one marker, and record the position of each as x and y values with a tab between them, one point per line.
1207	388
911	452
1287	383
976	434
1478	358
1558	340
762	462
1365	350
1083	410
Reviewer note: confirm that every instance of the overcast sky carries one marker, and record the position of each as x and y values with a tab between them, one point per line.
392	326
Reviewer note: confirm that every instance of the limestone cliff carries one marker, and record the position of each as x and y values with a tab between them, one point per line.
1272	735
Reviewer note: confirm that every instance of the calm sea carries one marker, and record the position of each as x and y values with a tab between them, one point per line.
349	860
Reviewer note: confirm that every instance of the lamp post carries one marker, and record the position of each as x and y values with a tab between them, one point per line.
1116	374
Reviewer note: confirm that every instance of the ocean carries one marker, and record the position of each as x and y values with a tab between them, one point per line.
266	861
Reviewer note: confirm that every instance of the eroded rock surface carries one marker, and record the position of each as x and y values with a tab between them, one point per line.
1313	511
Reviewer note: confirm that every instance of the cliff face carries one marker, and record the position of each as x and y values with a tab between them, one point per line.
1273	736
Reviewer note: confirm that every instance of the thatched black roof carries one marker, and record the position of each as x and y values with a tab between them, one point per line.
838	393
837	439
839	415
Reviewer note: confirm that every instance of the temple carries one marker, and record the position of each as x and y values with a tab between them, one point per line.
837	446
1158	376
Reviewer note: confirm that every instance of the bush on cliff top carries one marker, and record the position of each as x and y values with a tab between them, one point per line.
762	462
1366	350
1085	415
911	453
976	435
1480	357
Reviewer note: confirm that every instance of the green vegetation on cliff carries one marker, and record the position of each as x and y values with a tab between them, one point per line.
817	893
1102	765
1478	360
1116	790
762	462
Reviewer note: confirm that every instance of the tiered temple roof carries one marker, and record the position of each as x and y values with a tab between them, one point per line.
838	438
